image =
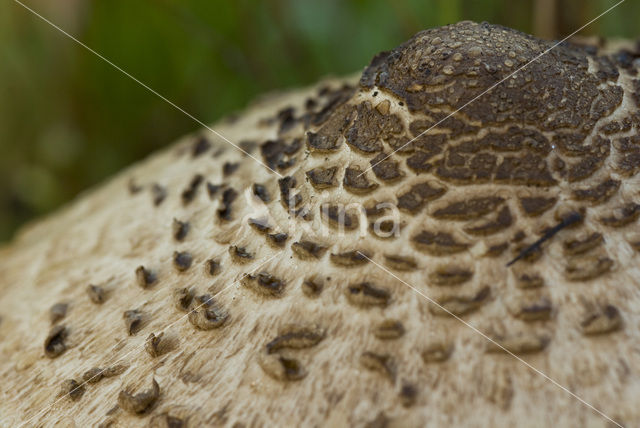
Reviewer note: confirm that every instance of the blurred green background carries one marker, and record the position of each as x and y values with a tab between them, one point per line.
68	120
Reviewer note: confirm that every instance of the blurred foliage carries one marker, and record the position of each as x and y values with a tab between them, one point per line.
68	119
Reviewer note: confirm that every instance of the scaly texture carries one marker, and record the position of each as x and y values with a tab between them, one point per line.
199	288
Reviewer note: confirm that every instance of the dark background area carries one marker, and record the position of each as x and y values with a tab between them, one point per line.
68	120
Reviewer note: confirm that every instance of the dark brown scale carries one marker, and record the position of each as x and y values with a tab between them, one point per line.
191	191
460	305
385	168
519	344
312	287
417	197
323	178
145	277
182	260
579	246
296	338
212	267
229	168
367	294
389	329
534	206
96	294
469	209
496	250
628	161
438	243
488	227
260	224
598	194
158	194
265	283
180	229
261	192
338	217
133	320
623	216
408	394
536	311
72	389
450	275
277	239
240	254
207	315
288	199
228	196
58	312
529	280
382	363
308	250
356	183
601	321
140	403
54	343
587	268
200	147
400	263
278	154
350	258
182	298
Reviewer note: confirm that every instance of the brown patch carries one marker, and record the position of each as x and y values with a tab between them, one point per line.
418	195
182	260
182	298
307	250
206	314
277	239
586	268
579	246
460	305
400	263
296	337
450	275
385	168
200	146
212	267
350	258
529	280
228	196
323	178
240	254
535	206
523	343
229	168
622	216
483	227
336	216
355	183
261	192
72	389
264	283
469	209
438	243
437	352
312	287
191	191
533	310
388	329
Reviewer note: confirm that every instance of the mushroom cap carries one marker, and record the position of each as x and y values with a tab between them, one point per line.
448	239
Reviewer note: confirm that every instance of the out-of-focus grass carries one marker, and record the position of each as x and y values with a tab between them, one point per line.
68	120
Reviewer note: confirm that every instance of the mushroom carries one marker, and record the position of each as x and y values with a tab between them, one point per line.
470	237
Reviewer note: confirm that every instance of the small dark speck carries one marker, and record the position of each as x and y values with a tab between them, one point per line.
57	312
182	260
180	229
375	94
400	103
133	187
